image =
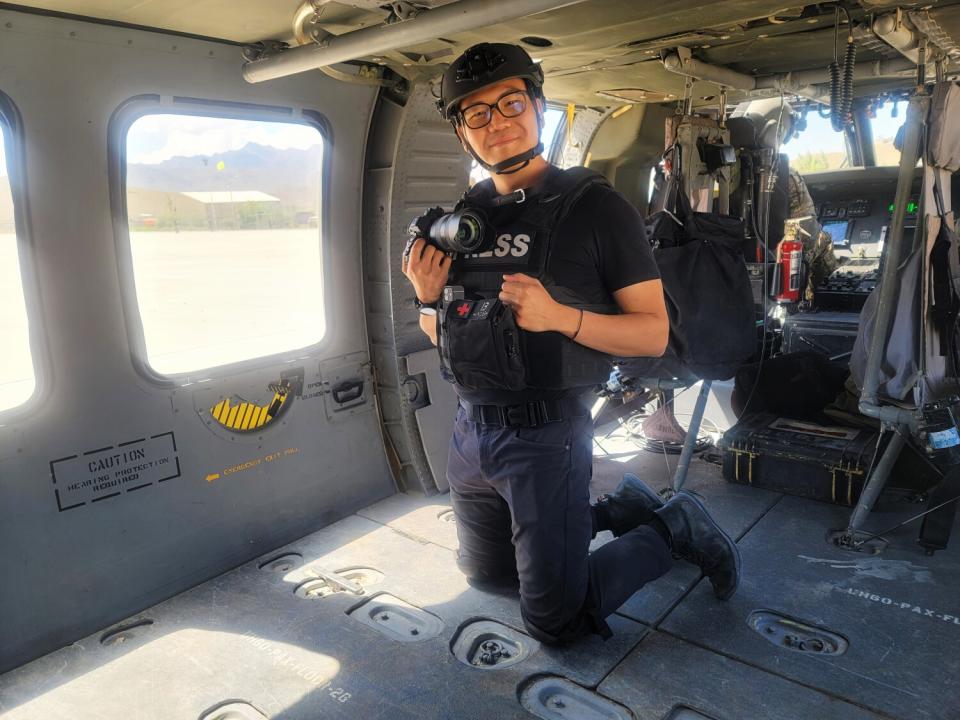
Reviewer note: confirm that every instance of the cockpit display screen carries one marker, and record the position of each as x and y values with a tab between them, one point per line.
838	231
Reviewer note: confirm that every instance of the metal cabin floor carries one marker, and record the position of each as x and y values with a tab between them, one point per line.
246	637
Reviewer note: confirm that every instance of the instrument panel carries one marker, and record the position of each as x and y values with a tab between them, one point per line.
856	207
848	286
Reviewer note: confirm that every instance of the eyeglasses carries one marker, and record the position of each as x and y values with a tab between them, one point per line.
510	104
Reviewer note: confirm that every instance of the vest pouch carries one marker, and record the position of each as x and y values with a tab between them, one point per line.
483	345
556	362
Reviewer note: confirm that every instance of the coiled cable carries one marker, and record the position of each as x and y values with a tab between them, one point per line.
634	428
836	99
841	76
846	91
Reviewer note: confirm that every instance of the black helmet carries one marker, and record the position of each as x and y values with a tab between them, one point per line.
483	65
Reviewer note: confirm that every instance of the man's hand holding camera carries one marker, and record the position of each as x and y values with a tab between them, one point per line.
427	267
533	307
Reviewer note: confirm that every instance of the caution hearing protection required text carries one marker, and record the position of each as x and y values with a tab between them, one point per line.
106	472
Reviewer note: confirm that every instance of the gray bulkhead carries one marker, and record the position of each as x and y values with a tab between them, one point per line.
121	554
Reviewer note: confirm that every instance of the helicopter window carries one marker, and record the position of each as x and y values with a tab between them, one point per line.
818	147
18	379
224	219
889	118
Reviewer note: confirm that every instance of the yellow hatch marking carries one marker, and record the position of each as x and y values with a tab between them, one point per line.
246	417
240	415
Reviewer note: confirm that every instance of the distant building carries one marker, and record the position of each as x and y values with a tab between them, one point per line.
202	210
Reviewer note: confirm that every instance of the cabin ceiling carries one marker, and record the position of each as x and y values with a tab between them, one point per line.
601	50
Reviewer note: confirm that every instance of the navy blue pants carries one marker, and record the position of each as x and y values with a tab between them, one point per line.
521	498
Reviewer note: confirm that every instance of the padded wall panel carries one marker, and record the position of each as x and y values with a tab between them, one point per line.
423	166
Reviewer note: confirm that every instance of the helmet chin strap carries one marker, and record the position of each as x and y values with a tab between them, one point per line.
501	168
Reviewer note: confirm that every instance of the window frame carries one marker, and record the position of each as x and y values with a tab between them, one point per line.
119	126
558	141
11	123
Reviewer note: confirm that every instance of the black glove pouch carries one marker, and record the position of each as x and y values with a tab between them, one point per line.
481	346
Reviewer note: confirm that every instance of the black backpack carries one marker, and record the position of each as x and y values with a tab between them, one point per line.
707	289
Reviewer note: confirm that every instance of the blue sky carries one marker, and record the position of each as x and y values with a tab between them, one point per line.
155	138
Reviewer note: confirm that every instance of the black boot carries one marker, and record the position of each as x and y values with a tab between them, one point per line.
630	505
697	538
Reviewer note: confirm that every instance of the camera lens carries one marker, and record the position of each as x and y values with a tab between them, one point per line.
461	232
469	232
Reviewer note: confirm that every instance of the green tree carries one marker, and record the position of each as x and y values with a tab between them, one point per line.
811	162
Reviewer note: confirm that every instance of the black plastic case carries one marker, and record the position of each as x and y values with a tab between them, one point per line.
828	463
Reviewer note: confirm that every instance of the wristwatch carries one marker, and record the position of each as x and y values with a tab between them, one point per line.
425	308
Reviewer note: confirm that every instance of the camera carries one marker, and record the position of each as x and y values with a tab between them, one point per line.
464	232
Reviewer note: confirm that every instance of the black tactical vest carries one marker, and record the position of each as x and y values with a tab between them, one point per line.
481	347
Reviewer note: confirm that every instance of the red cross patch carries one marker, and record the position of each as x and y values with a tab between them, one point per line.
463	309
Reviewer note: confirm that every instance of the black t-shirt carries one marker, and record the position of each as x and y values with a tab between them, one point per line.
600	247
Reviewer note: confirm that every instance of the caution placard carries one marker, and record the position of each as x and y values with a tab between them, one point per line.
106	472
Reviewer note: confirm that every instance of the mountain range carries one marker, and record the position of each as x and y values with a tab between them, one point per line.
291	175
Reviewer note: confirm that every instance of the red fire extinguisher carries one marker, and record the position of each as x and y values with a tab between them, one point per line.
790	260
